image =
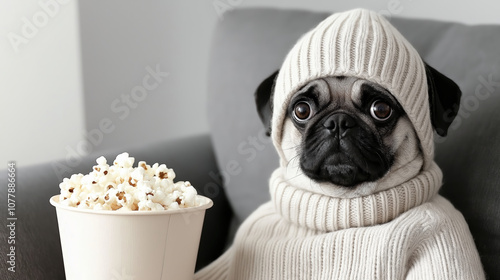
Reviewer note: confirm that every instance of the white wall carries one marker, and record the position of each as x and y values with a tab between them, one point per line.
42	86
40	80
120	41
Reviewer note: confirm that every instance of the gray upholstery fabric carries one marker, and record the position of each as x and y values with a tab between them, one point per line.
250	44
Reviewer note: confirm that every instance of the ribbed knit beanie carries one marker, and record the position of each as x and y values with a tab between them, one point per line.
362	44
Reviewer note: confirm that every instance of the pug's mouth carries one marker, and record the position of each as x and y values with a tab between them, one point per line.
345	169
358	157
345	174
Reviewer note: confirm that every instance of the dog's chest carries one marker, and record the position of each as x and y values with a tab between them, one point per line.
281	250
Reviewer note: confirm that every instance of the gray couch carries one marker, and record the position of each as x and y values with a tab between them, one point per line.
248	45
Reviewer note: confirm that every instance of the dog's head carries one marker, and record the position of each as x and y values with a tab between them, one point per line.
349	131
347	128
346	113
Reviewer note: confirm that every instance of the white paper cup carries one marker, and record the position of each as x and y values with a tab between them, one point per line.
139	245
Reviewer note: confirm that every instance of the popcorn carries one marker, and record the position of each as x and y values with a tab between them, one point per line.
122	187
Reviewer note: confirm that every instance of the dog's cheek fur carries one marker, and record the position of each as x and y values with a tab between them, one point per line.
407	154
291	142
403	141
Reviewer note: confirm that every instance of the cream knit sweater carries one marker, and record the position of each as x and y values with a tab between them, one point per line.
403	229
406	232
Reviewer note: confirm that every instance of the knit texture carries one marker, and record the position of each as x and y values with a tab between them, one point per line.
362	44
324	213
302	235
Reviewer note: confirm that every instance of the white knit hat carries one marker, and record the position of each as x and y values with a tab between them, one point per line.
363	44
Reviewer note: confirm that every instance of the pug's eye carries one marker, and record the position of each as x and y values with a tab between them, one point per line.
380	110
302	111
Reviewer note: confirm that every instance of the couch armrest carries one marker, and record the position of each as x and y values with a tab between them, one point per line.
38	250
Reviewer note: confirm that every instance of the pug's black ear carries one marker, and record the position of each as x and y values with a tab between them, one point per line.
264	102
444	100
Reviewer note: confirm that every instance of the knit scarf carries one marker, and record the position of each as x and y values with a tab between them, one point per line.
326	213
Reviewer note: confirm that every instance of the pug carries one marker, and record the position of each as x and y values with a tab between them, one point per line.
351	113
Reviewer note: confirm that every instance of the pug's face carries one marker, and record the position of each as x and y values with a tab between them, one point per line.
347	128
352	132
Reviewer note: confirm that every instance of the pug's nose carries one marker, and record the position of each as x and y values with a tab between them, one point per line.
339	123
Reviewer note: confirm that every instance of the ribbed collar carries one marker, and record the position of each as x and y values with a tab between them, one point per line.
326	213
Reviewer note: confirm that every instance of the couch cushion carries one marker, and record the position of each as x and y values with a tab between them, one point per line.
250	44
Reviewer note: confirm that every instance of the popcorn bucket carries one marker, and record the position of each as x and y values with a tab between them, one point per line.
126	245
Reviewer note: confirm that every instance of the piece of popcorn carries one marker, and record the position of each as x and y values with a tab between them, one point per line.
101	160
123	160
